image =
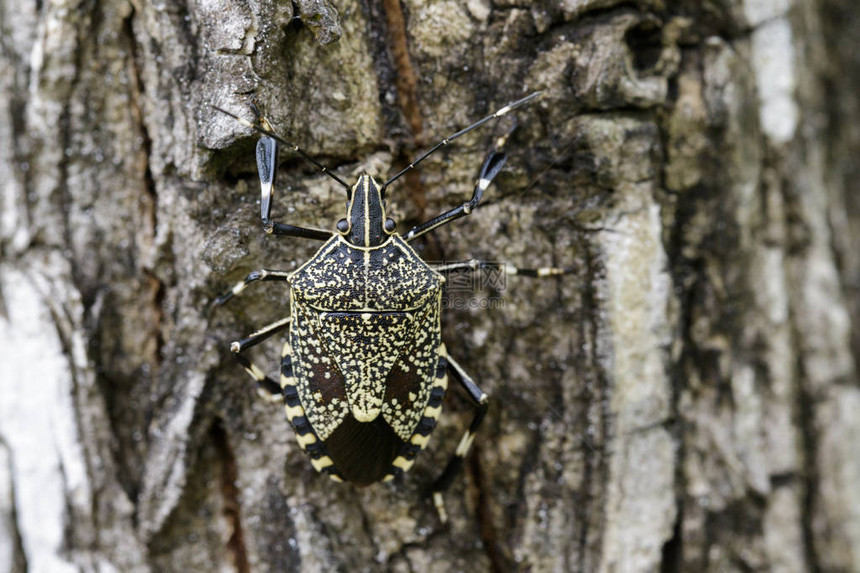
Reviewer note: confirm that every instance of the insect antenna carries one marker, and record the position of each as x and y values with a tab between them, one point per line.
464	131
295	148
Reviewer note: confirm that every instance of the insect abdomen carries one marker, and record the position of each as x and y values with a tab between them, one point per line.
363	451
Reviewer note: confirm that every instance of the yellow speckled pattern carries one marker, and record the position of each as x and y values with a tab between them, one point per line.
365	334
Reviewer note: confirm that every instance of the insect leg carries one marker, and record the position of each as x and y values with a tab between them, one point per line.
267	168
480	400
499	113
492	166
253	276
269	389
474	265
263	126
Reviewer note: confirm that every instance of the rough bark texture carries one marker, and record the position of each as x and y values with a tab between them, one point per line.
687	400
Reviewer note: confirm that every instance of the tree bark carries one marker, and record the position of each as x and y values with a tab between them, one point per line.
685	400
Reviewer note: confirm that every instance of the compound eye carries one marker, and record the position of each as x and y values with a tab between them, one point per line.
390	225
343	226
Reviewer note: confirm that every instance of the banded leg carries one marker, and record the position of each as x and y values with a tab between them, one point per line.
406	457
481	401
492	166
253	276
509	269
263	127
268	388
498	113
267	168
308	440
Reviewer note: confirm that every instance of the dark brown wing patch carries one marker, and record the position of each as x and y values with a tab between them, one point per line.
365	346
409	381
318	379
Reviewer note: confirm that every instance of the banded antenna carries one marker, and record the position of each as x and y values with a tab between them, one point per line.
295	148
450	138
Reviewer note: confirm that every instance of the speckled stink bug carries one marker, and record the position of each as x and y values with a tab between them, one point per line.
364	370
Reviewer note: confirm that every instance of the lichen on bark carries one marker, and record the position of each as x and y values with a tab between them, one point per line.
684	400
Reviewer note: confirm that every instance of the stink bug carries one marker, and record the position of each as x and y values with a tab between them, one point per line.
364	370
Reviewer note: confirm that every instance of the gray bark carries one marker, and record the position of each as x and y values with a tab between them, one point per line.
686	400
